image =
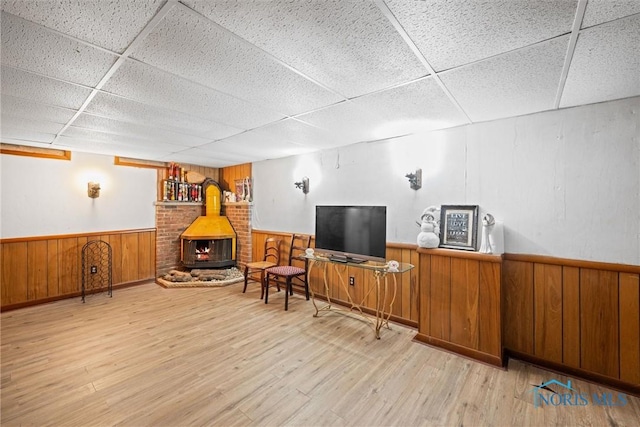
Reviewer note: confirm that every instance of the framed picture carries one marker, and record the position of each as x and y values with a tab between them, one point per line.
459	227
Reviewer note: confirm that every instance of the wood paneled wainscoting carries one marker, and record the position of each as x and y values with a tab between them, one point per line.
578	317
405	306
42	269
460	294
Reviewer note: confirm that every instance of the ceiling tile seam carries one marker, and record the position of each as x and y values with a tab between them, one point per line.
610	21
407	39
573	39
392	87
66	36
35	73
255	104
506	53
170	110
108	117
29	141
137	40
266	53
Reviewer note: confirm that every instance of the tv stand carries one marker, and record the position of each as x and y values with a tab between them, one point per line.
383	293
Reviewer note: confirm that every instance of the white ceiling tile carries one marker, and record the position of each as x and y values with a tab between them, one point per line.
212	157
17	107
88	136
125	110
102	124
512	84
41	126
295	132
456	32
149	85
599	11
43	90
110	24
599	72
349	46
9	131
257	144
417	107
33	48
193	47
347	122
111	148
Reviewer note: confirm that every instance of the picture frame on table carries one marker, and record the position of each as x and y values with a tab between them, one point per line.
459	227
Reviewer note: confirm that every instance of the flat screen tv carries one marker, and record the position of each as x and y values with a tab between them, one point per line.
352	233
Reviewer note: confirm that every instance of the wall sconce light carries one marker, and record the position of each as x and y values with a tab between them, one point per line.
303	185
415	179
93	190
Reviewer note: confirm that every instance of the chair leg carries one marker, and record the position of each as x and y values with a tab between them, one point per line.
262	284
286	294
266	289
246	273
306	287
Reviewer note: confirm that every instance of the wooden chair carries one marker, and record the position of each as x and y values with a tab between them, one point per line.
271	259
287	274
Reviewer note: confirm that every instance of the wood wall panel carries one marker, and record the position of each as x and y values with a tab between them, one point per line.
586	316
115	240
68	255
230	174
465	282
518	306
14	273
548	311
571	316
146	253
629	327
489	315
440	297
424	289
53	276
599	322
130	249
39	269
414	286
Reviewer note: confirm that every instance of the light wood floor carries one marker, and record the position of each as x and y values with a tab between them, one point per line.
151	356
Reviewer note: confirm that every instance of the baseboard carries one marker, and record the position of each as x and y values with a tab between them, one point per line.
469	353
592	377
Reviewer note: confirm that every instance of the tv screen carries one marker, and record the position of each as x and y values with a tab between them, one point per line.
352	233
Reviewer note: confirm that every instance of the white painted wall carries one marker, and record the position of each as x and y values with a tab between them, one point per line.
41	197
565	183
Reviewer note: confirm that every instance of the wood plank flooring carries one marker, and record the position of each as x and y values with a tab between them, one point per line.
152	356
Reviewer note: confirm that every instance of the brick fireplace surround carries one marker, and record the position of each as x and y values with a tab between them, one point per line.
172	218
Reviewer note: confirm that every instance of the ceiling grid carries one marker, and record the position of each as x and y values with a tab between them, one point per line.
226	82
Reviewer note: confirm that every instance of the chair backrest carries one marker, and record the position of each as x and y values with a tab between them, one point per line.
299	244
272	250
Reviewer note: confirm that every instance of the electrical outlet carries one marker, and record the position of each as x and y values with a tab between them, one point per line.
352	281
94	269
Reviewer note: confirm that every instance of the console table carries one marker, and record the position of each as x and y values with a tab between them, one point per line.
384	297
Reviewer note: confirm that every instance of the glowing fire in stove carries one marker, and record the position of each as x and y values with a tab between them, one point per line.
202	252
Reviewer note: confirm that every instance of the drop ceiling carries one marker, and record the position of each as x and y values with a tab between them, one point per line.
219	83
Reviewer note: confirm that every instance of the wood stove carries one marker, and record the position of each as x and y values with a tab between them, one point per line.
207	253
210	240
